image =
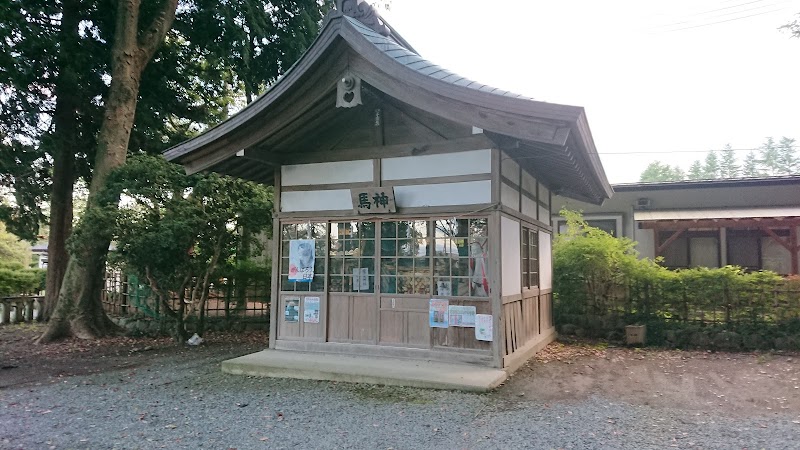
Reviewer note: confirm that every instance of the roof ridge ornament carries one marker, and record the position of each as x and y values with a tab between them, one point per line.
364	13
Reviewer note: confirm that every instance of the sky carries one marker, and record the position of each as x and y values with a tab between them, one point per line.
663	81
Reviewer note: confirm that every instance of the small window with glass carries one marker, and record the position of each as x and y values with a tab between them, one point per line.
530	257
405	257
461	255
352	257
316	231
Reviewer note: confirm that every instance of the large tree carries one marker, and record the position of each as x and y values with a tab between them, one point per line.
138	34
199	75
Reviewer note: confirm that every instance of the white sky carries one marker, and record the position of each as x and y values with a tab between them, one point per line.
662	80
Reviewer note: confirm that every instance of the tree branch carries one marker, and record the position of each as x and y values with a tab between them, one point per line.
152	37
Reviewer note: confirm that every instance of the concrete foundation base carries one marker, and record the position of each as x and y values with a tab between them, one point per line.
373	370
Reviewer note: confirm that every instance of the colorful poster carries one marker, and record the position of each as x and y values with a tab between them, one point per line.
439	318
291	312
484	327
361	279
311	309
462	316
301	259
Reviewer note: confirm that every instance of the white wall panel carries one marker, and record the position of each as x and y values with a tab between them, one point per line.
509	196
327	173
544	194
544	214
431	166
509	168
528	183
332	200
529	207
645	243
445	194
545	261
510	254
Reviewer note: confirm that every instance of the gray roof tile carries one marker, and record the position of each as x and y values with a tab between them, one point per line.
415	62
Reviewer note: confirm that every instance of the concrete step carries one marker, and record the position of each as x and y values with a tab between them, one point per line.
372	370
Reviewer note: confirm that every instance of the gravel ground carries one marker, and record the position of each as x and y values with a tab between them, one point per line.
184	401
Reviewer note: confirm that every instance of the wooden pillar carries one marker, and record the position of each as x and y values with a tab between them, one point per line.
793	245
723	246
6	311
276	262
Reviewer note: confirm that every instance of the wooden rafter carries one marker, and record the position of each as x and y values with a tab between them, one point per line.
669	241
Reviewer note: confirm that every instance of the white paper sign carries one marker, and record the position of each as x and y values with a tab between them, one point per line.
311	310
462	316
484	327
361	279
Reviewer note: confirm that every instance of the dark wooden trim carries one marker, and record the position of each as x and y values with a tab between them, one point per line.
496	290
471	143
439	180
533	223
787	244
717	223
402	213
669	242
326	187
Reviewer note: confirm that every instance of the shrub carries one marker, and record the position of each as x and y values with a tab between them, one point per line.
598	275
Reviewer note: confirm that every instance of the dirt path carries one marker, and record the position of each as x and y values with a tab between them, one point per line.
728	383
23	362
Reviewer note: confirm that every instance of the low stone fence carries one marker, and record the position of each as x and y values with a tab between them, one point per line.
20	309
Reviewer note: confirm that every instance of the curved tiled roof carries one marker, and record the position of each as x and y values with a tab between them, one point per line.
414	61
556	135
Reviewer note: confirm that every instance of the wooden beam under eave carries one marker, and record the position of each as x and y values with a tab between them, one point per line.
784	243
669	241
728	223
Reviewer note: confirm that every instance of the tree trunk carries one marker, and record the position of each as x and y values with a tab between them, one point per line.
79	311
64	140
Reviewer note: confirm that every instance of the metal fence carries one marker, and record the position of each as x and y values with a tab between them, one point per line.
125	295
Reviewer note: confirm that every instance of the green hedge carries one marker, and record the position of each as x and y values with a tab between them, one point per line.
16	279
600	286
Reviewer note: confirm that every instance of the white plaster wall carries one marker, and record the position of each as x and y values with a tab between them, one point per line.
431	166
509	168
528	183
445	194
544	194
332	200
545	260
529	206
645	243
509	196
544	214
775	257
510	256
327	173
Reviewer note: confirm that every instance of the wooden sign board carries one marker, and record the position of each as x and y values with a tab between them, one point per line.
373	200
